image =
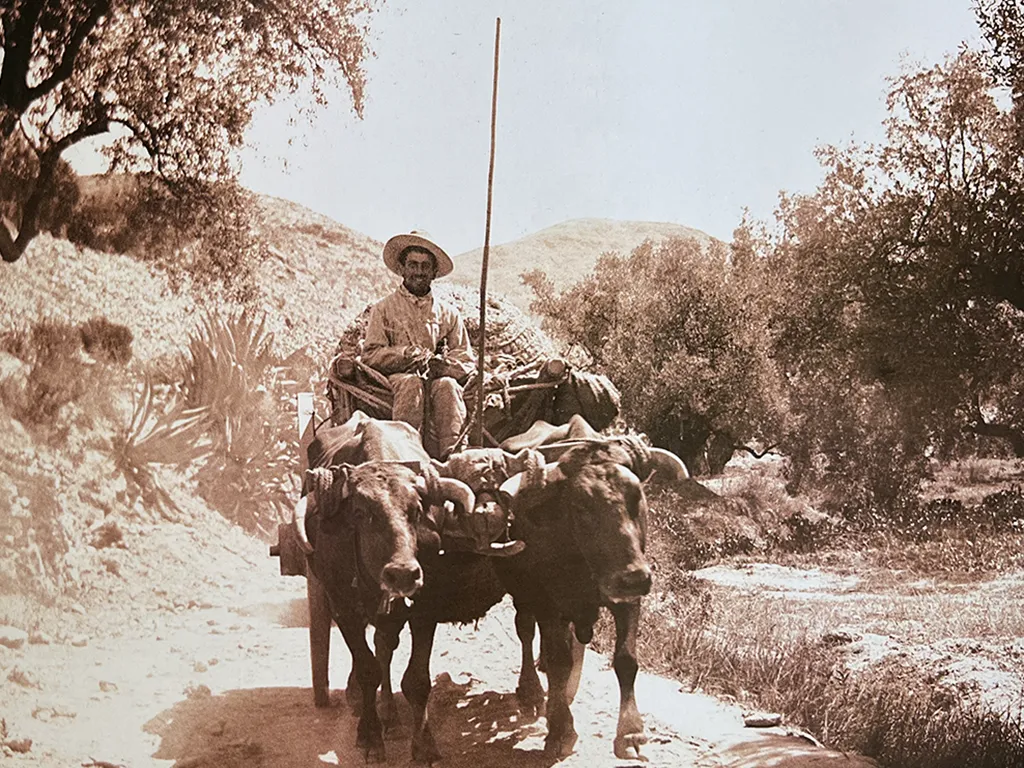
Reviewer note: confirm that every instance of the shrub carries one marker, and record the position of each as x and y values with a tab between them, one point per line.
57	375
154	436
233	374
107	341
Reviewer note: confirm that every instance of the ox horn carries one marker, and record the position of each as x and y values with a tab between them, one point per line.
438	489
457	492
670	466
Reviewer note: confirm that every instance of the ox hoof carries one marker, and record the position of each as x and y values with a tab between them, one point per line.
372	747
560	746
531	700
424	749
630	741
529	713
322	698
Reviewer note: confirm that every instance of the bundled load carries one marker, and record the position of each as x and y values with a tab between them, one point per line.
525	378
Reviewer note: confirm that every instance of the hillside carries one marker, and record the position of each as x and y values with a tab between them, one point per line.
565	252
318	277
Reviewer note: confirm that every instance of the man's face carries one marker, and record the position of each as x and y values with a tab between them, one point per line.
418	272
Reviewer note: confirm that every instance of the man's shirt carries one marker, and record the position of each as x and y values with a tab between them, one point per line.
402	322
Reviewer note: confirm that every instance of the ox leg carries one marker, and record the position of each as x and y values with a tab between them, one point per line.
385	640
353	693
319	638
555	643
529	691
630	731
369	734
416	687
578	652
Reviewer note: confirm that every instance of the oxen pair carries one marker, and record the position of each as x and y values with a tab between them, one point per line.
375	536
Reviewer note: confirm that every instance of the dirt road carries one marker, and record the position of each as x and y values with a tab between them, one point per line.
190	651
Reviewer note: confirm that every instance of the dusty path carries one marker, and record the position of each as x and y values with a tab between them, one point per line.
203	662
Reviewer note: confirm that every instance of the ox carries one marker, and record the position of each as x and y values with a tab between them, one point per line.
369	498
458	586
583	520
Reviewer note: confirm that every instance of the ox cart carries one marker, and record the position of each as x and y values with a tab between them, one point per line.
525	380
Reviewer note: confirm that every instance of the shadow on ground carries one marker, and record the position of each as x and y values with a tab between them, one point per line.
291	614
780	751
280	728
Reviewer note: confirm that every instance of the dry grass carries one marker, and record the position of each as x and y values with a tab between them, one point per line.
899	666
787	655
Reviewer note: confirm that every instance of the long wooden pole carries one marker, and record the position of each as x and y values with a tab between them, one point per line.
478	431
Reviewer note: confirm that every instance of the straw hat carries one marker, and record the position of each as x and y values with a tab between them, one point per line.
393	249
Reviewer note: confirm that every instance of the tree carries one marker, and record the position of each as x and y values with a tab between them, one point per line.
673	327
171	84
903	320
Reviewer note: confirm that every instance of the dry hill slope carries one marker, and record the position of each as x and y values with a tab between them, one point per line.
318	276
565	252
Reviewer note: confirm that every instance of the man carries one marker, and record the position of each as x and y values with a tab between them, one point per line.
420	343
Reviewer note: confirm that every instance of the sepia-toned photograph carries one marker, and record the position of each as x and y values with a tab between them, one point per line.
478	384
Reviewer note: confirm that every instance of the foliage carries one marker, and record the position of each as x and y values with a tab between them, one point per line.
208	236
234	375
669	326
170	86
56	372
105	340
155	436
896	308
20	166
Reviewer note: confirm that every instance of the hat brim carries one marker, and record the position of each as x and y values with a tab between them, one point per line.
393	249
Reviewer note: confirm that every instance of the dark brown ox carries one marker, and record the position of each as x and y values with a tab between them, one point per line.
459	586
583	520
369	494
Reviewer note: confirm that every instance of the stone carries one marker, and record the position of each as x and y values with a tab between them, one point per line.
199	666
80	641
12	637
25	679
107	686
762	720
19	745
200	691
38	637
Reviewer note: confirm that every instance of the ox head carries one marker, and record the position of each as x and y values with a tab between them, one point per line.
484	470
379	507
592	499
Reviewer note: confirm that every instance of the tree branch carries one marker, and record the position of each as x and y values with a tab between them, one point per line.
771	448
12	248
18	56
67	63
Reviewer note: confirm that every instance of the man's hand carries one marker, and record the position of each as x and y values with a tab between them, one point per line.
437	367
418	359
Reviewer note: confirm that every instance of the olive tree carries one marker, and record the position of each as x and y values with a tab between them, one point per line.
170	85
900	320
673	326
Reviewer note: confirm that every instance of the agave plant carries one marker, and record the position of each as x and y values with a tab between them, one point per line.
155	435
232	371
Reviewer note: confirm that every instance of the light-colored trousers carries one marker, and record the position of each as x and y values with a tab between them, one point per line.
446	410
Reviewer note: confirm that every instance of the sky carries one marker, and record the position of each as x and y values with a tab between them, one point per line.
678	111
